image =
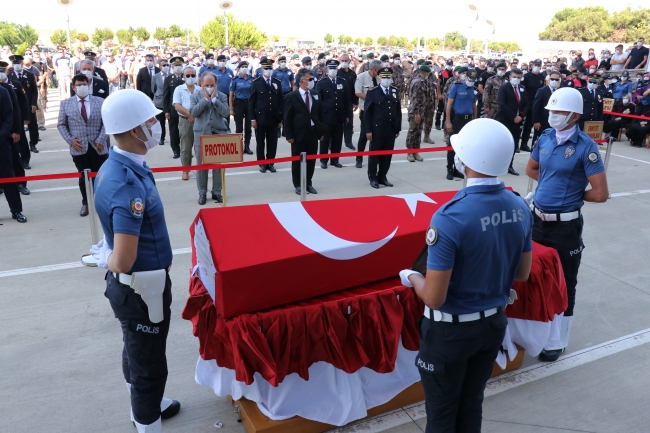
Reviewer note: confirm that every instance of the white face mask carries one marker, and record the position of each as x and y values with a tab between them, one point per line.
515	81
345	65
321	61
553	84
626	101
558	121
18	68
210	62
222	64
385	65
448	67
267	73
165	69
385	82
149	64
190	81
462	77
283	65
591	86
178	69
331	73
3	77
639	44
88	74
310	85
466	64
501	73
82	91
308	67
469	83
623	78
154	138
459	165
483	63
209	90
592	70
490	69
536	69
243	71
397	62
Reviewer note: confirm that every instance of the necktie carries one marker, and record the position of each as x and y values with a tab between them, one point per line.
374	81
334	81
387	94
517	94
83	111
268	82
307	100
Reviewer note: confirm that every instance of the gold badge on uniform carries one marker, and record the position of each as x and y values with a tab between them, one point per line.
432	236
394	95
137	207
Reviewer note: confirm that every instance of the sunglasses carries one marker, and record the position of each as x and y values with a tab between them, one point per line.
309	79
190	76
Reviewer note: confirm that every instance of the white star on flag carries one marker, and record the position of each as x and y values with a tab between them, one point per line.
413	199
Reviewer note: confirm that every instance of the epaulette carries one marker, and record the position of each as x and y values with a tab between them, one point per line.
394	87
276	79
372	88
258	77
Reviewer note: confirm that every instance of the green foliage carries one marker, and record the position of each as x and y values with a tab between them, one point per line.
434	44
328	38
454	41
174	31
367	41
358	41
240	33
382	41
13	35
341	39
124	37
630	25
504	47
59	37
82	37
142	34
100	36
20	50
477	46
161	34
347	40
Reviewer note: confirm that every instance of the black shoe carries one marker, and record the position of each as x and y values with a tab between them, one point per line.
172	410
1	191
517	150
311	190
298	190
323	165
359	164
23	189
438	128
41	128
374	184
27	166
262	168
385	182
336	164
550	355
271	168
247	150
525	148
176	156
458	174
279	133
218	198
512	171
201	199
450	174
161	143
39	138
19	217
33	149
350	146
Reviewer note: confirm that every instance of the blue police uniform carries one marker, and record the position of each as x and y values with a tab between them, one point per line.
224	78
462	112
564	170
621	89
286	77
241	87
207	68
128	202
481	235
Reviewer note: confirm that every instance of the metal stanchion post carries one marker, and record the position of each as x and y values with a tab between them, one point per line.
303	176
223	186
531	184
92	212
464	181
608	152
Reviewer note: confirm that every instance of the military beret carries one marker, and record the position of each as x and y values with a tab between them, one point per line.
321	56
384	57
420	61
425	68
306	60
428	63
327	53
456	68
370	55
450	62
176	61
364	57
463	69
281	58
385	73
333	64
295	56
16	58
396	56
502	65
491	63
472	75
221	57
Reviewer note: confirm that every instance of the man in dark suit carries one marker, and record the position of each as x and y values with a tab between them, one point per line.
540	113
337	110
6	170
513	103
98	87
383	123
303	125
172	81
266	109
20	147
592	100
28	81
145	76
92	56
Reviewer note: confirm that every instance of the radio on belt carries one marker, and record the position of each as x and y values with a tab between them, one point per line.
150	285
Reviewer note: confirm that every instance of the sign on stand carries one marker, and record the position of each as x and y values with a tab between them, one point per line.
608	104
222	149
594	129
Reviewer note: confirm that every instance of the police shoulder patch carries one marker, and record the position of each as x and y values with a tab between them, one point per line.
432	236
137	207
593	157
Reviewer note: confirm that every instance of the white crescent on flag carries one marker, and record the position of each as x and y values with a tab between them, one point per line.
299	224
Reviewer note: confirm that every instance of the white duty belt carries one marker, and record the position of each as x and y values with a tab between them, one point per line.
150	285
439	316
554	217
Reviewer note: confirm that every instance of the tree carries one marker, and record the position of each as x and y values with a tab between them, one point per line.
382	41
348	40
434	44
175	31
101	35
367	41
240	33
630	25
13	35
161	35
124	37
504	47
477	45
82	37
59	37
328	38
142	34
358	41
455	41
588	24
341	39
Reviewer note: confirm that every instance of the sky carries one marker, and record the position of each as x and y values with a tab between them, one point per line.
519	21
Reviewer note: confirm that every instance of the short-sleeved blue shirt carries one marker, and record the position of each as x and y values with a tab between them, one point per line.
564	169
241	87
621	89
127	201
285	77
224	78
464	98
481	234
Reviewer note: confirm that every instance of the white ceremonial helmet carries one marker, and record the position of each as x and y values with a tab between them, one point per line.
126	109
485	146
565	99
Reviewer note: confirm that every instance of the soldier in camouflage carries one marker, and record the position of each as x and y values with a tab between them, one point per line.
398	76
419	94
366	66
321	68
429	111
491	90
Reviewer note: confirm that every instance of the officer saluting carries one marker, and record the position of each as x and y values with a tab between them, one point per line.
479	243
172	81
383	122
137	253
564	161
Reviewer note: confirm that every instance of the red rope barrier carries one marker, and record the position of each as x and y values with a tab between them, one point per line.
379	152
633	116
74	175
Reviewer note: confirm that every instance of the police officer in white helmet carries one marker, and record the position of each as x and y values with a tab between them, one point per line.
478	244
137	252
564	161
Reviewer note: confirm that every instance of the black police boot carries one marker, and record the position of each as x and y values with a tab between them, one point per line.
19	217
458	174
525	148
450	174
262	168
359	163
550	355
33	148
247	150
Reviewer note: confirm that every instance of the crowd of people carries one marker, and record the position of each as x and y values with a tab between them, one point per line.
440	92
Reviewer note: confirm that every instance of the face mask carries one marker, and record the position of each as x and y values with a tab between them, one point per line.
501	73
3	77
466	64
310	85
18	68
384	65
345	65
462	77
490	70
132	58
165	69
592	70
385	82
553	84
626	101
515	81
267	73
190	81
88	74
283	65
308	67
459	165
178	69
623	78
639	44
221	64
210	62
591	55
209	90
397	61
448	67
150	64
82	91
321	61
591	86
536	69
243	71
558	121
483	63
331	73
524	71
154	138
469	83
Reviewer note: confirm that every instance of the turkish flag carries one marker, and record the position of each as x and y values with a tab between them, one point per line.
263	256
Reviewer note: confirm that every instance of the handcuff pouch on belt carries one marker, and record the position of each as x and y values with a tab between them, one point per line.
150	285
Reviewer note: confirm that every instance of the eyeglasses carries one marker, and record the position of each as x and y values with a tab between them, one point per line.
555	79
190	76
309	79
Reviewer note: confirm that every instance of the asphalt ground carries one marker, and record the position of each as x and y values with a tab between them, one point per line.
60	346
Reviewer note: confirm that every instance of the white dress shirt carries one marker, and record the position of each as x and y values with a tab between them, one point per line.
86	103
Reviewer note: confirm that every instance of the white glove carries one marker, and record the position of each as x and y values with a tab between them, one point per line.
529	198
100	252
404	276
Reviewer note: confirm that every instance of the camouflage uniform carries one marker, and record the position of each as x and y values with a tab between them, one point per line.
364	67
419	94
430	107
398	79
445	93
407	70
490	92
321	70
